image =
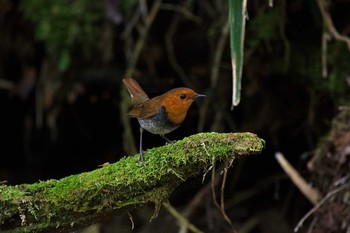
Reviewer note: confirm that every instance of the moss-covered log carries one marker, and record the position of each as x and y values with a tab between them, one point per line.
82	199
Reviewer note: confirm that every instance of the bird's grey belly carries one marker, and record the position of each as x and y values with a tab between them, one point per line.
158	124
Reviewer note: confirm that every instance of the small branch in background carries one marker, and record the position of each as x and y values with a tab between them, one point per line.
131	220
182	10
329	23
310	193
319	204
220	207
198	200
325	38
143	9
141	40
312	225
170	47
131	24
222	42
282	32
208	8
183	222
222	197
215	71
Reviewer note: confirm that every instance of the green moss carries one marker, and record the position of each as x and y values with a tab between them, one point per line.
8	192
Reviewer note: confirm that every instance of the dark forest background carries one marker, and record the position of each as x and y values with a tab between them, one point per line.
62	103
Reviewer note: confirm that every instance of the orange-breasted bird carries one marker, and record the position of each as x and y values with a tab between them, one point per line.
161	114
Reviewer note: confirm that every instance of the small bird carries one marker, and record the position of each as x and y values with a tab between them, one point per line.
161	114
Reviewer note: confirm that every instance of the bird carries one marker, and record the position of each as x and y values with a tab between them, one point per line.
161	114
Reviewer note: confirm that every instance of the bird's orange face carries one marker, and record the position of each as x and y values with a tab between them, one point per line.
177	102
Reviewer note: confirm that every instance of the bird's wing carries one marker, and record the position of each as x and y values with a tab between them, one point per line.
138	95
136	111
141	112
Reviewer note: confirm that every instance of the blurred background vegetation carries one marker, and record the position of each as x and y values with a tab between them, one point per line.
63	108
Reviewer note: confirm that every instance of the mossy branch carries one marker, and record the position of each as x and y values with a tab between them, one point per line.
80	200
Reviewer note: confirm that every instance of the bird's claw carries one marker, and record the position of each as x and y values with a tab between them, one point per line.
141	157
170	142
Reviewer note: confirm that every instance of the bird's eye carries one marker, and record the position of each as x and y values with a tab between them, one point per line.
182	96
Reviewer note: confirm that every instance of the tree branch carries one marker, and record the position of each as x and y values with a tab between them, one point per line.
80	200
329	23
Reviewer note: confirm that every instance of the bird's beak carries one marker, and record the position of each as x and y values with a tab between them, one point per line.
199	96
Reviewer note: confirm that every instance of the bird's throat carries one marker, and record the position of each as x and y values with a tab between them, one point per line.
176	114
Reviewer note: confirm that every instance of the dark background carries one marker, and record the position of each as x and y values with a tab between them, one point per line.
61	65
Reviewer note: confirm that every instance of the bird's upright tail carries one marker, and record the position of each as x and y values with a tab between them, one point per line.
138	95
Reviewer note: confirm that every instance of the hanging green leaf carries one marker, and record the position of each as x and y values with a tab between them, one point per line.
237	13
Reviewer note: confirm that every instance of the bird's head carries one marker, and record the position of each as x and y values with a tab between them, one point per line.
177	102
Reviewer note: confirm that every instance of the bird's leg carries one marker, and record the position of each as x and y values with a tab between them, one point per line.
167	139
141	151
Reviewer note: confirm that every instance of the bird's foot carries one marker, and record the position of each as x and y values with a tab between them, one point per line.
141	160
168	141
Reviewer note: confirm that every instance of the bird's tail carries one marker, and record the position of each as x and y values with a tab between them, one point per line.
138	95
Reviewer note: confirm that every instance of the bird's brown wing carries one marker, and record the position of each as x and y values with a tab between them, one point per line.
147	109
136	111
138	95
